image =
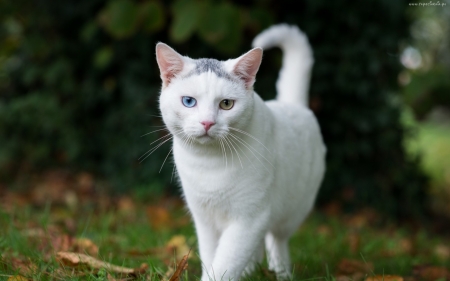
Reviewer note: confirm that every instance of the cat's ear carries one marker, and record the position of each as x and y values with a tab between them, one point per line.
169	61
247	66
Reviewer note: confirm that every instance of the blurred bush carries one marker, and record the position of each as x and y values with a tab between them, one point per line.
427	83
79	86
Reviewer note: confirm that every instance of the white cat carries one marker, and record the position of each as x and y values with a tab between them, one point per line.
250	170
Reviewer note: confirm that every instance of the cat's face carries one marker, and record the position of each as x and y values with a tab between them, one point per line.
202	100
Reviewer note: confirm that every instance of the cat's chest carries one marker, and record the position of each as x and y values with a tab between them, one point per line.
207	172
216	177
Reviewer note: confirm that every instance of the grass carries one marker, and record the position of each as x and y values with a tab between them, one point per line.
321	249
126	232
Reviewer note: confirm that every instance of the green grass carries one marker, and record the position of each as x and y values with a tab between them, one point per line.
128	237
317	248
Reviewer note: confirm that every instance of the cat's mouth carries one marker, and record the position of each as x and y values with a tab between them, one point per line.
205	138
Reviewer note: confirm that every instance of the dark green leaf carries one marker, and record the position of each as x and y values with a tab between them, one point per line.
103	57
221	27
120	18
152	16
186	17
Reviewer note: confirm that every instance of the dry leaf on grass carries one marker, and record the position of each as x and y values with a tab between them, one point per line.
384	278
324	230
83	261
181	267
431	273
84	245
354	241
52	240
178	244
442	251
403	246
159	217
17	278
22	266
126	205
353	270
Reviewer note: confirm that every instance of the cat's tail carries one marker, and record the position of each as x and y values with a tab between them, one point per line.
294	77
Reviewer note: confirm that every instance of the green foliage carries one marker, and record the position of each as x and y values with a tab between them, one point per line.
427	90
79	86
428	86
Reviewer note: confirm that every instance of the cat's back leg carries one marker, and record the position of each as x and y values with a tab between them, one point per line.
277	249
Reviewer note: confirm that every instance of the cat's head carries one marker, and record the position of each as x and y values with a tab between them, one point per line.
204	98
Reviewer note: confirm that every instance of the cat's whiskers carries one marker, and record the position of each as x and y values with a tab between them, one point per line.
221	148
251	136
154	115
231	151
165	160
247	147
173	172
163	129
224	151
163	139
184	138
148	153
252	148
233	140
230	145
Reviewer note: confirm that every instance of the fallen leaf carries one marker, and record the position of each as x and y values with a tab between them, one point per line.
84	245
353	270
85	183
181	267
354	241
21	266
158	216
357	221
126	205
178	244
62	243
17	278
363	218
442	251
430	273
396	247
82	261
384	278
51	186
346	267
333	209
324	230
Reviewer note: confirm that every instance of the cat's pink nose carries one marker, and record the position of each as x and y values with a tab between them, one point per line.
207	125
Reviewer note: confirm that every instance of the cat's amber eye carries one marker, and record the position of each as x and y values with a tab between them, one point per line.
226	104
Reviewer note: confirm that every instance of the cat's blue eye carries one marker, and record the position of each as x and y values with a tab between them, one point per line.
188	101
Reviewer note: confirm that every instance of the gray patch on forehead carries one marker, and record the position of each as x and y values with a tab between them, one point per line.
210	65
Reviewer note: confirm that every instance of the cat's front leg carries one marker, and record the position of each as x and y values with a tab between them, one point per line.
208	238
236	247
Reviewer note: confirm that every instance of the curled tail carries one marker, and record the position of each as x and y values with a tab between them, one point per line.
293	80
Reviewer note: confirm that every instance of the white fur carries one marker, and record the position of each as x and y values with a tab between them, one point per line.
293	80
253	178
